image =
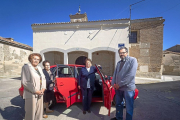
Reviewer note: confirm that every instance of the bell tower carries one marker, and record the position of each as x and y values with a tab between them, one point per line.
78	17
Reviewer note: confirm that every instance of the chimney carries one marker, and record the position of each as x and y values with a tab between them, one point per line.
11	39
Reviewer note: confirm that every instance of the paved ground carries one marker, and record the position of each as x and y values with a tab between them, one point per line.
157	101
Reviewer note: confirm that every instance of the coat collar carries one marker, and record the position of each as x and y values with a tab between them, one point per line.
46	71
126	58
89	70
33	69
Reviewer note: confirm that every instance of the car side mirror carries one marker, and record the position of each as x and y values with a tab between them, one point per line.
109	77
99	66
106	77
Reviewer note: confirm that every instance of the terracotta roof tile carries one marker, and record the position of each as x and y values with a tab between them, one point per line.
148	19
135	20
14	43
170	52
78	22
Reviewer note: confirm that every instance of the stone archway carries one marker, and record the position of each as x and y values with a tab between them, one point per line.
106	59
80	60
54	57
77	57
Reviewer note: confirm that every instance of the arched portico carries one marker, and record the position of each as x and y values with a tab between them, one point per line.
54	57
77	57
106	59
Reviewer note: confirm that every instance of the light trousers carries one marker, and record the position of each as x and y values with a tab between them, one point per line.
34	108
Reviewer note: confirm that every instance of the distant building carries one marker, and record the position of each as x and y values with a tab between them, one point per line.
146	44
12	56
72	42
171	61
175	48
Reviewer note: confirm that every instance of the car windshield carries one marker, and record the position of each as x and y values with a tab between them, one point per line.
65	71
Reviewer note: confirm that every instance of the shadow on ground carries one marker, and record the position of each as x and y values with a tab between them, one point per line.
98	112
14	112
157	101
16	78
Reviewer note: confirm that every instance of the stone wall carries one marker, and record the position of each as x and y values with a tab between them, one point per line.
171	64
12	59
175	48
149	48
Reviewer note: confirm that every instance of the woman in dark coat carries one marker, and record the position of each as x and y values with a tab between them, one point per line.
48	94
86	84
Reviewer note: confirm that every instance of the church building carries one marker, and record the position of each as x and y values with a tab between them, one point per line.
72	42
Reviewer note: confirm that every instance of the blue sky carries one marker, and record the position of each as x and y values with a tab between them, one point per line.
16	16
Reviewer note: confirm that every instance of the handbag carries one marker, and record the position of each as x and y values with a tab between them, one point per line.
51	86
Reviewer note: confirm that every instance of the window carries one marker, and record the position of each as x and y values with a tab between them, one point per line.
65	71
133	37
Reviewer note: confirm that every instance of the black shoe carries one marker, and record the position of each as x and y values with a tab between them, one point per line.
89	111
84	112
113	118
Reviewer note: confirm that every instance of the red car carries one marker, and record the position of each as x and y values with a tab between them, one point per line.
66	86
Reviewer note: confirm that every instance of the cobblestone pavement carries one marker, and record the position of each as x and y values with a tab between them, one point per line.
156	101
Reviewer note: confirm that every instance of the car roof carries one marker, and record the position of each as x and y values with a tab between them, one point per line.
72	65
76	65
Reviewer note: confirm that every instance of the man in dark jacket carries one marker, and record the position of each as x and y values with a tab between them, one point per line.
124	83
86	84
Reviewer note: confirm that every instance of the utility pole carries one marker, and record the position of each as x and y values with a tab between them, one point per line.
130	15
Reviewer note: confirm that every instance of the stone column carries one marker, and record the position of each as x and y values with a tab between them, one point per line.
43	59
90	55
65	58
116	58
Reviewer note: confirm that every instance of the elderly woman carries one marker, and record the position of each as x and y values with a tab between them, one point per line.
34	83
86	84
48	94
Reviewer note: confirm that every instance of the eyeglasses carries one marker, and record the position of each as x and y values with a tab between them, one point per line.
36	59
122	52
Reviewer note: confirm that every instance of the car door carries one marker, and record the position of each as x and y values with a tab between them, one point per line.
106	90
67	84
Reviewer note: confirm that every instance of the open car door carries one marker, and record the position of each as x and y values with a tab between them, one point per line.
67	84
106	91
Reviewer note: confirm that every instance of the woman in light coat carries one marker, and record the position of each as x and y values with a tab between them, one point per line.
34	84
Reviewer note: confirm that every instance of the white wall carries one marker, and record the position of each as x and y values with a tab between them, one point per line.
88	37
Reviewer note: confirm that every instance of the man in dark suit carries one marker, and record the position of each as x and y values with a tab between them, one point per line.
86	84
